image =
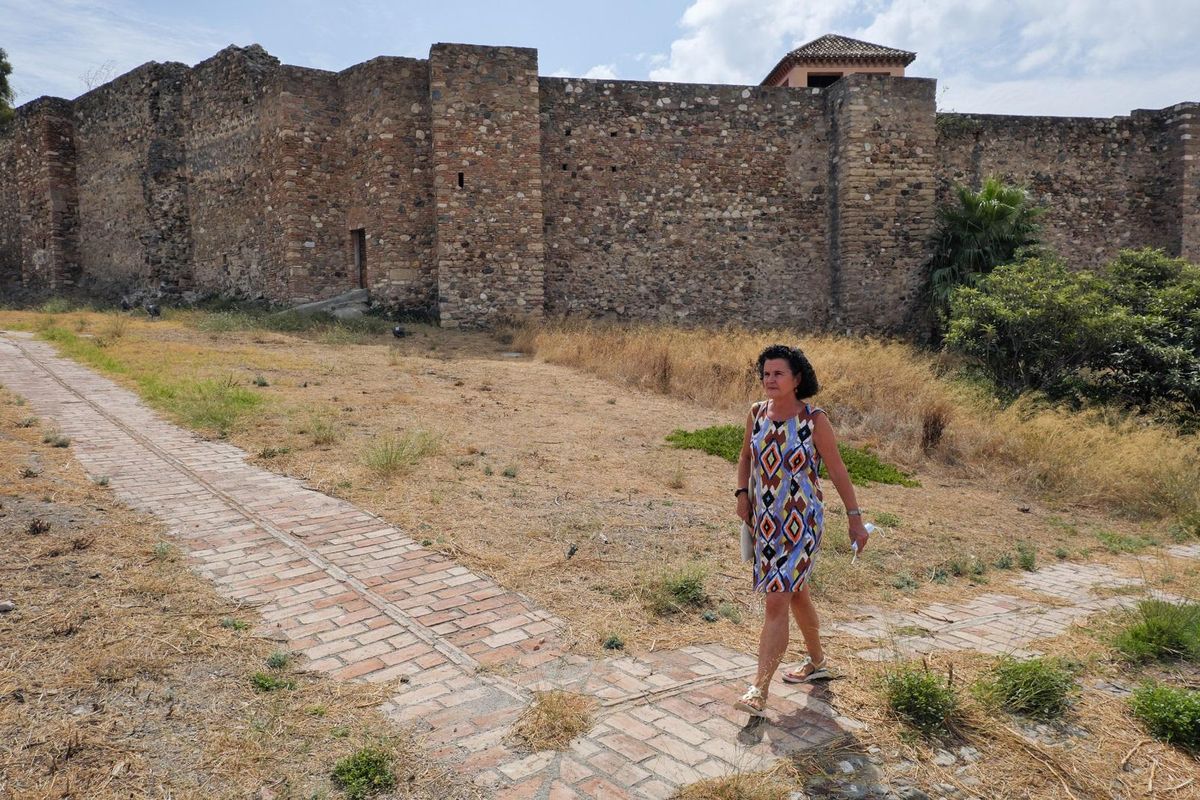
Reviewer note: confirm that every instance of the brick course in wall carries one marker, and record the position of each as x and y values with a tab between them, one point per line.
649	201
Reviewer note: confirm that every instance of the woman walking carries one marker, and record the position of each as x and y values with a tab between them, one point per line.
779	497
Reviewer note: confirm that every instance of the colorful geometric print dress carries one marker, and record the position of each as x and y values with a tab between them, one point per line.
786	501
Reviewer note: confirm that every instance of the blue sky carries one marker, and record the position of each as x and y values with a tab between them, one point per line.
1070	57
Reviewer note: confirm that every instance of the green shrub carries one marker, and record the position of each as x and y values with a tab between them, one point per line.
1036	687
1162	631
234	624
364	773
919	697
1004	561
1170	714
678	589
725	441
1126	335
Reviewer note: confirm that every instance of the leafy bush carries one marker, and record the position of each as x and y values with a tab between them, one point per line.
364	773
1170	714
919	697
1126	335
1037	687
1162	631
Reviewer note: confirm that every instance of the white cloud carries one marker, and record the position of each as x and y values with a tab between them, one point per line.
1086	57
51	43
601	72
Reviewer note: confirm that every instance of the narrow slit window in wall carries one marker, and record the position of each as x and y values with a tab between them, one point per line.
460	180
359	238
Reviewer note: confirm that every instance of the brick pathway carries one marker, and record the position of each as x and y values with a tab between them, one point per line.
364	601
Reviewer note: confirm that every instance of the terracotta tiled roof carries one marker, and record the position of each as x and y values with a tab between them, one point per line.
832	48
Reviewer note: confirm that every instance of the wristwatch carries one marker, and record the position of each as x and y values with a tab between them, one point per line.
853	512
743	490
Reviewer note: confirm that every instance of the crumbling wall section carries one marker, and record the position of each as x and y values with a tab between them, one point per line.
232	227
134	230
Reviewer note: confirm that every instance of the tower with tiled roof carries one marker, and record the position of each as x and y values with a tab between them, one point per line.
823	60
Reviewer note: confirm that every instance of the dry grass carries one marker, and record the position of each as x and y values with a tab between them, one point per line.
552	720
119	680
777	784
905	404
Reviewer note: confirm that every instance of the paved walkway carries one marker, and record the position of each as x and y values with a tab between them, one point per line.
364	601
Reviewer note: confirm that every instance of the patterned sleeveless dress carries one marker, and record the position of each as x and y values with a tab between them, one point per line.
785	499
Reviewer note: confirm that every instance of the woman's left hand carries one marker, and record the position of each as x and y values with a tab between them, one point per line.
858	533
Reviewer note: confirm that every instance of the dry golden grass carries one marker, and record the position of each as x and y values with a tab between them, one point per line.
117	679
552	720
777	784
902	403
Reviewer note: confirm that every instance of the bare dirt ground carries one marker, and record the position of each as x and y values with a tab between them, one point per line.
560	485
123	674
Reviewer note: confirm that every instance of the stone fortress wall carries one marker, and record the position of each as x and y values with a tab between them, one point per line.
468	185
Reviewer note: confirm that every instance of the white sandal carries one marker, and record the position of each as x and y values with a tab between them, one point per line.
753	702
816	672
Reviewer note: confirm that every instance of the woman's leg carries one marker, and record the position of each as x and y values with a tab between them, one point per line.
810	626
773	641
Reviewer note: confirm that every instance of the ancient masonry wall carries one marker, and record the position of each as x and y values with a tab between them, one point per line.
487	183
882	174
41	159
388	145
132	185
685	203
482	192
227	175
1106	184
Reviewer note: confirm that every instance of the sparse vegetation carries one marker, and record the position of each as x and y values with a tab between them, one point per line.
394	454
56	439
1035	687
1026	556
1159	630
887	519
234	624
552	720
279	659
919	697
265	682
677	589
364	773
1121	543
1169	713
27	422
323	429
614	642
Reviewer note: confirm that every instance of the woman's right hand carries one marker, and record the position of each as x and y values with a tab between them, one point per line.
743	508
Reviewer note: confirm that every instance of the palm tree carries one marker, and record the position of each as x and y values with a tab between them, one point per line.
984	230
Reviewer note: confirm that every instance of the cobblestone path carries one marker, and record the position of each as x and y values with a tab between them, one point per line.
363	601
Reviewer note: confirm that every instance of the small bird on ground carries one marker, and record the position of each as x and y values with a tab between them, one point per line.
572	550
125	304
153	310
399	332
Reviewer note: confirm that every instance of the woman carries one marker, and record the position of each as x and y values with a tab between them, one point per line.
778	495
